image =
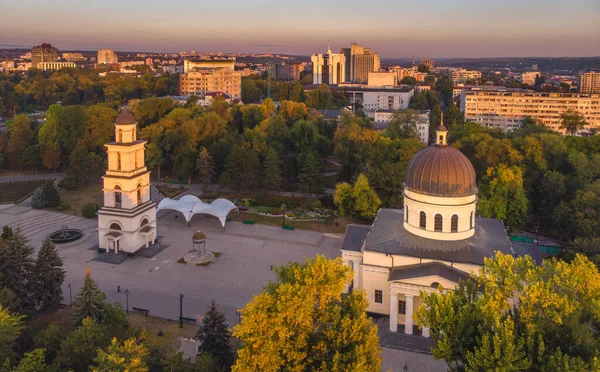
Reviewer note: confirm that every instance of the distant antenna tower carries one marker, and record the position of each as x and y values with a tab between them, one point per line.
269	65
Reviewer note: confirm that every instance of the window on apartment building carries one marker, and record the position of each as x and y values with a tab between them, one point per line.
401	307
378	296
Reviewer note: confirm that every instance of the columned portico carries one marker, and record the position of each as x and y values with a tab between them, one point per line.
393	312
408	317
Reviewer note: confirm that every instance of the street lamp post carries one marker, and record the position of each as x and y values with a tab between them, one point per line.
127	300
70	297
181	310
283	206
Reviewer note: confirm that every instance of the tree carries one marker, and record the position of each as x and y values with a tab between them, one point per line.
527	317
50	146
17	268
214	337
21	137
572	121
409	80
128	356
49	275
503	196
89	302
78	348
99	126
70	129
46	196
310	176
50	339
250	93
271	170
205	167
358	200
11	325
320	97
185	164
302	322
34	361
403	124
84	165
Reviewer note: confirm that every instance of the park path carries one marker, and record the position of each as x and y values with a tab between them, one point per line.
32	177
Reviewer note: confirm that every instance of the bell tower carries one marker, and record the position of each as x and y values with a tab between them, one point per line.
127	222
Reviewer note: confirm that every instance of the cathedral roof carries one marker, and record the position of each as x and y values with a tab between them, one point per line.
388	235
440	171
125	117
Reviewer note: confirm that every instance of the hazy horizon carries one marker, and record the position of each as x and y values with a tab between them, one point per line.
438	29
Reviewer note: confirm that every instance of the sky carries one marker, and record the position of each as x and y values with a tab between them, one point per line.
392	28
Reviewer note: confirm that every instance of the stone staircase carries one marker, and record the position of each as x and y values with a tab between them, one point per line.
402	341
44	221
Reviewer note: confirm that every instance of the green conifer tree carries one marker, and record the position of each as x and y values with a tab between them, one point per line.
214	336
89	302
49	274
17	268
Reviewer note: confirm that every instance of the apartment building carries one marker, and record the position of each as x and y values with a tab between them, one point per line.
73	57
205	80
382	78
589	82
359	61
372	99
209	63
529	77
54	66
287	71
107	56
408	72
43	53
428	62
328	68
383	117
507	109
462	75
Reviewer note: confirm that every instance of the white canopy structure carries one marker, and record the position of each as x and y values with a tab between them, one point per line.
189	205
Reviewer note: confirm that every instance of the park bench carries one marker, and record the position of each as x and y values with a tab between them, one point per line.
140	311
248	222
287	227
188	320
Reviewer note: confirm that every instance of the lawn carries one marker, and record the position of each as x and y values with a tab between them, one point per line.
171	192
13	192
76	199
337	226
172	334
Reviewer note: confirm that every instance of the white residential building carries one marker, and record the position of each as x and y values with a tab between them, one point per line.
53	66
328	68
589	82
383	117
462	75
107	56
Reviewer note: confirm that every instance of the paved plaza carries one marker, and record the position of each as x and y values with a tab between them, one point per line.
243	268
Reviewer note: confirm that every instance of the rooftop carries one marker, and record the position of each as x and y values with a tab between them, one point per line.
387	235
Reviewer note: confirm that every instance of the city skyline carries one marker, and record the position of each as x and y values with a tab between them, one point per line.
436	29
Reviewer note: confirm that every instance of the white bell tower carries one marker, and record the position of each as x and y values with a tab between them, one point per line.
127	222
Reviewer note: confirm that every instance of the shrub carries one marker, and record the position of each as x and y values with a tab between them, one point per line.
63	206
69	182
327	200
52	195
38	199
89	210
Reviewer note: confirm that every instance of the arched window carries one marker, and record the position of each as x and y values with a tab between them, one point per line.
435	285
454	223
437	225
144	222
118	196
422	220
115	226
441	139
471	220
139	193
120	136
406	213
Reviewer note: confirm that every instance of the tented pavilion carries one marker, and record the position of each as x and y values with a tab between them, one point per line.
189	205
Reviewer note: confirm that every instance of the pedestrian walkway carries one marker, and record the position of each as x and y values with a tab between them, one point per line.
31	177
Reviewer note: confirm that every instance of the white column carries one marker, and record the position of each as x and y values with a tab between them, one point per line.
356	268
393	312
408	322
425	332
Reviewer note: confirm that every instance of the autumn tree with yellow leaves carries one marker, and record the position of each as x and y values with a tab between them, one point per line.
514	315
304	322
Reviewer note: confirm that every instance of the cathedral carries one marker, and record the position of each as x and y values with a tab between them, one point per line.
127	222
436	239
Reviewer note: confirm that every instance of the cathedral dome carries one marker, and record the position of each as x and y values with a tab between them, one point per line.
125	117
441	171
